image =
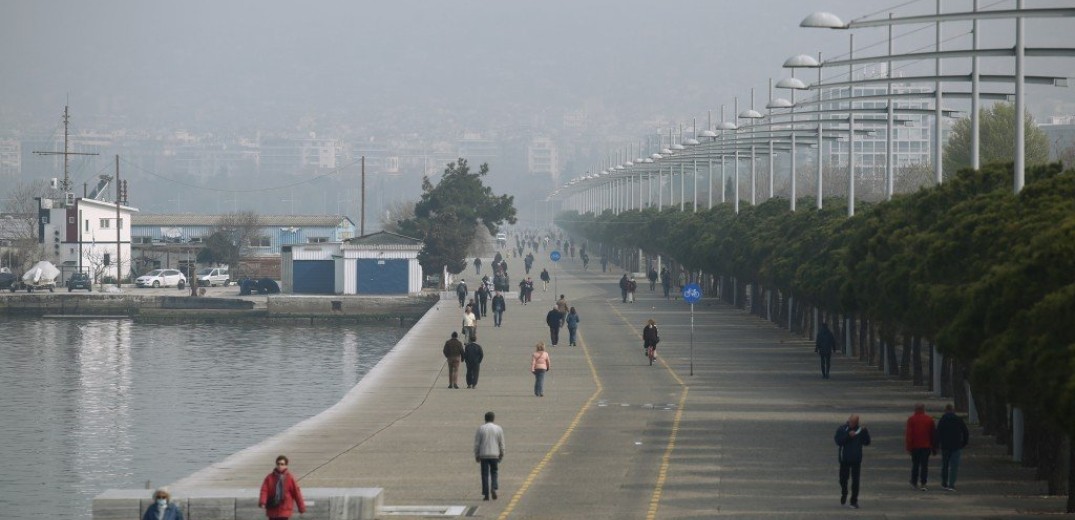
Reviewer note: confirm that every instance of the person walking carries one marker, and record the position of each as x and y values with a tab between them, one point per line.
545	279
461	292
562	306
162	507
539	364
489	452
572	321
952	436
824	345
522	292
477	265
652	276
850	438
920	442
499	306
473	356
666	282
624	283
650	339
470	324
554	320
483	300
280	493
632	286
529	289
453	352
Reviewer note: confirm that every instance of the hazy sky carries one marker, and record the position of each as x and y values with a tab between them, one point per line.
223	65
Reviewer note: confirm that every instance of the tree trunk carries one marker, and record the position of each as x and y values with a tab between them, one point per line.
1071	474
916	353
905	358
864	346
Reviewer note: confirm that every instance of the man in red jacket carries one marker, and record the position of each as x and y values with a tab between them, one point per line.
280	494
919	440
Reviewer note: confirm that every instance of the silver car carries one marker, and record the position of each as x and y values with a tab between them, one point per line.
162	278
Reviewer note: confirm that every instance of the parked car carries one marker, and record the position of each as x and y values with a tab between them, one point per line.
7	280
79	281
213	276
162	278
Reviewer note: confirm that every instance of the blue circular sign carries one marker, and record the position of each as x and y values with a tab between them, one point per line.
555	256
692	293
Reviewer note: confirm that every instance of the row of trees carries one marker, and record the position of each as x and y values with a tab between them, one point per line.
985	274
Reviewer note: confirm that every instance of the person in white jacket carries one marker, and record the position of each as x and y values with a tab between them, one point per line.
489	451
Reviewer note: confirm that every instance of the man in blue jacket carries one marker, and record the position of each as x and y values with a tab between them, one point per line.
850	438
953	436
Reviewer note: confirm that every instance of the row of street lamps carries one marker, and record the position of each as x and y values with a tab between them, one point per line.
788	124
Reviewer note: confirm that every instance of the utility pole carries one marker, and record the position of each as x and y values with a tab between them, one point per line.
362	217
119	225
66	186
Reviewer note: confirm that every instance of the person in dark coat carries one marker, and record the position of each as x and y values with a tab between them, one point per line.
555	320
483	299
499	306
666	282
477	265
952	436
545	279
624	284
461	292
851	437
652	276
824	345
472	356
453	352
280	493
162	507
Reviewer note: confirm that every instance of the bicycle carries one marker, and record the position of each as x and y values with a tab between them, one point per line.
651	353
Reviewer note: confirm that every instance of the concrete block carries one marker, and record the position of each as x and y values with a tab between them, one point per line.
241	503
119	504
211	508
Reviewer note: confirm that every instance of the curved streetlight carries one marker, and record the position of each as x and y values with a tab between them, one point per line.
1019	52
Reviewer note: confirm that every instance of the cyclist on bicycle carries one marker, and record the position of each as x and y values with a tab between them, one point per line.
650	340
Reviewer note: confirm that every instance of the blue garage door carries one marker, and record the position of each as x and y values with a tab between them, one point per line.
382	276
313	277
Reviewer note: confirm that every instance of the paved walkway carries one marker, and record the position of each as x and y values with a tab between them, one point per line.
749	435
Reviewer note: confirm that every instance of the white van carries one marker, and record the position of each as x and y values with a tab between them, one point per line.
213	276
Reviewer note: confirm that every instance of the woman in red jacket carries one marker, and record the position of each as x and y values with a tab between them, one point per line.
280	493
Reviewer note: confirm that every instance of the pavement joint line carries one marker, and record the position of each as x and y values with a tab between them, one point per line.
534	473
666	459
440	373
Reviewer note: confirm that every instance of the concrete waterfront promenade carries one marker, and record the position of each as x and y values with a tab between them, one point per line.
749	435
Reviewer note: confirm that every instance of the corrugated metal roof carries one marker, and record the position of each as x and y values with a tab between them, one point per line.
213	220
383	238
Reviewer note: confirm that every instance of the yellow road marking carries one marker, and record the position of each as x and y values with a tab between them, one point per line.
563	438
662	475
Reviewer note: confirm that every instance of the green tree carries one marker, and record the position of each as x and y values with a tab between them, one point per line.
997	139
449	216
233	232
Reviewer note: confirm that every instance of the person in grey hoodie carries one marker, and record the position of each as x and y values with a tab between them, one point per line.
489	451
851	437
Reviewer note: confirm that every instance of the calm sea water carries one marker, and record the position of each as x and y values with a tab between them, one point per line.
91	405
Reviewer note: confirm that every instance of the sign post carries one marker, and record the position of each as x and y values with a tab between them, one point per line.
691	294
555	257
